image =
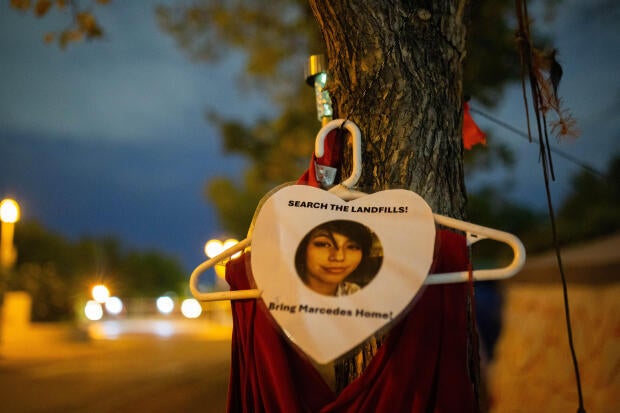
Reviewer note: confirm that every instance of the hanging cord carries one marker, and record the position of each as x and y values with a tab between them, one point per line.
525	49
556	151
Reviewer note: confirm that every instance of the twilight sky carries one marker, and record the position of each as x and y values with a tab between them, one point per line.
110	137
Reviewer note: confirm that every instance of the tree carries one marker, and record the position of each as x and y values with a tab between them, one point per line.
396	70
83	24
56	272
591	208
280	36
149	274
411	116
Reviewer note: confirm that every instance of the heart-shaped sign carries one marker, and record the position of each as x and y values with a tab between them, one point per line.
334	272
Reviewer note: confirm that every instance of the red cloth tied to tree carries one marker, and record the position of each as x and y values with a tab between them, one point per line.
472	134
421	366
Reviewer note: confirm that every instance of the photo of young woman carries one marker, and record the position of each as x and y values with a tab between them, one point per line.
338	257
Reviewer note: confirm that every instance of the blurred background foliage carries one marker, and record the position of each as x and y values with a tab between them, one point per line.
83	23
57	272
275	38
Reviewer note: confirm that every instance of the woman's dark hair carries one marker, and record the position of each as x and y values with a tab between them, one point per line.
351	229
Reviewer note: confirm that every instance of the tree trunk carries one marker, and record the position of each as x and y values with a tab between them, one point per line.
396	71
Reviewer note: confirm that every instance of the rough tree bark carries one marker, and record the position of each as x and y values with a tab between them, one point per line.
396	71
410	117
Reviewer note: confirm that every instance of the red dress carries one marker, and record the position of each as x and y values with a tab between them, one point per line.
421	366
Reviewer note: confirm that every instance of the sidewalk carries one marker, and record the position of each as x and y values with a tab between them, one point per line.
38	341
44	341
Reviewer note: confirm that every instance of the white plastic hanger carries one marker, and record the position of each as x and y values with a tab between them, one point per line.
474	232
343	189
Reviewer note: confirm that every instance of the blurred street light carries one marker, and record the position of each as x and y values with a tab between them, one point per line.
191	308
114	305
165	304
101	300
215	247
93	310
100	293
9	215
9	210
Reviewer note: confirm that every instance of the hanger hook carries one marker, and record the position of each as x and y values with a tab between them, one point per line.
319	147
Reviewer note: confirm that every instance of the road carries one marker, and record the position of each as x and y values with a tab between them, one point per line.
137	371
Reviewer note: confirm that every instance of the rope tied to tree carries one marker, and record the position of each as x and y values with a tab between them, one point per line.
543	98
